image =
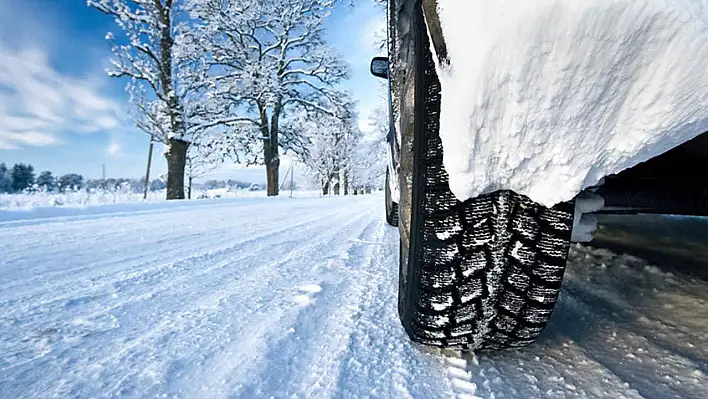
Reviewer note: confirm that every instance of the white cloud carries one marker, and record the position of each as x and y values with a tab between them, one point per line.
29	137
38	104
114	148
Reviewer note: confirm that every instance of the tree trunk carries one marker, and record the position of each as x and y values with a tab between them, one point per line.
345	182
272	163
325	187
337	183
189	188
176	161
271	158
177	153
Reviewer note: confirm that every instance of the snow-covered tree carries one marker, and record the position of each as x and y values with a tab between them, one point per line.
46	181
269	60
149	54
201	159
369	164
70	182
323	154
380	36
331	157
22	177
5	179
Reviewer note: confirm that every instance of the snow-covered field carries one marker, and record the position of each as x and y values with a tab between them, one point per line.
25	201
74	199
297	298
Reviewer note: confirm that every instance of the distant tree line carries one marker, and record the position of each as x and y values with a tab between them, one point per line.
22	178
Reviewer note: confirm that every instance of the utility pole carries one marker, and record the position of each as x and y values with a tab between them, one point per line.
147	172
103	176
282	183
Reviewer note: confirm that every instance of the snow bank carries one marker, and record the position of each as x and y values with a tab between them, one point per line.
75	199
41	210
546	97
28	201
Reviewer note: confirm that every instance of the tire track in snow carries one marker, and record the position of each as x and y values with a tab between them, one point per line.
148	268
92	306
330	232
254	290
103	227
380	360
322	328
603	309
554	367
174	250
89	266
631	357
631	321
104	311
460	376
185	227
644	300
270	331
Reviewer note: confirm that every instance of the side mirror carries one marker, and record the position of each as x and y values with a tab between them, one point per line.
379	67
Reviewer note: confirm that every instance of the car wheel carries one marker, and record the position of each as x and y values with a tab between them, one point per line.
480	274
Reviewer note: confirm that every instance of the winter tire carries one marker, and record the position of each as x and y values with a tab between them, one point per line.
391	206
480	274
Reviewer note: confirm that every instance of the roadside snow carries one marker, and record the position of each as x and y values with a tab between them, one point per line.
546	97
75	198
79	199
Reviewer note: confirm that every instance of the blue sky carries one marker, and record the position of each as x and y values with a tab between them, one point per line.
60	111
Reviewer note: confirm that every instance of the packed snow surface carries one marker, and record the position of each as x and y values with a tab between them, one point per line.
546	97
259	298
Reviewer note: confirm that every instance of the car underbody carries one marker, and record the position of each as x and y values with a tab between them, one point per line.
675	182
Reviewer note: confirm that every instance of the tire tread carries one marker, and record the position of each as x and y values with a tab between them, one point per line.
489	269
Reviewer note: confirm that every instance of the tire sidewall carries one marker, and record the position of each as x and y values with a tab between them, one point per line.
407	23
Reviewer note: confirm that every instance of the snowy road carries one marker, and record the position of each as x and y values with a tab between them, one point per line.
297	298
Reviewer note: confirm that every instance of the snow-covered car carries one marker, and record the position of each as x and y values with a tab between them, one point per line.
507	120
